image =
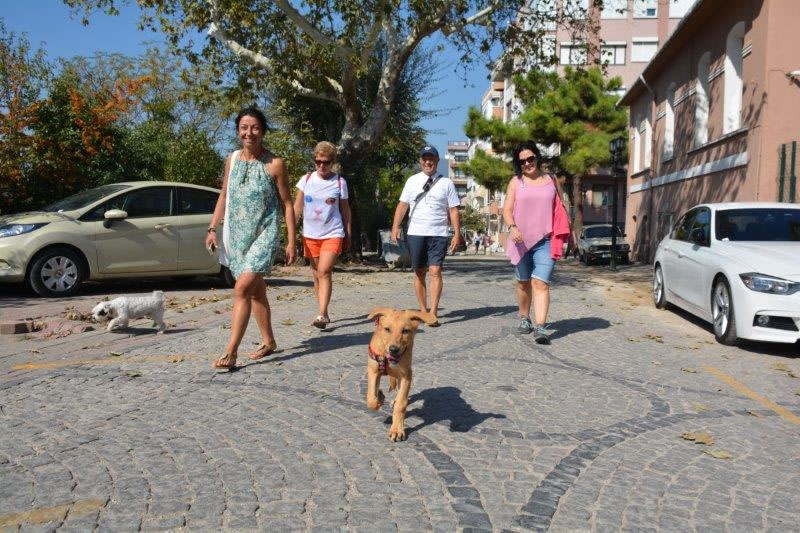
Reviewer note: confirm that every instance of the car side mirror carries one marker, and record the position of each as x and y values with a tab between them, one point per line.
113	214
698	236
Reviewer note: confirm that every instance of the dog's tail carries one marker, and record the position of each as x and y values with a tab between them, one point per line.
159	295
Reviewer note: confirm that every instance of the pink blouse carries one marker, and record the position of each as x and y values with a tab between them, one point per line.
533	215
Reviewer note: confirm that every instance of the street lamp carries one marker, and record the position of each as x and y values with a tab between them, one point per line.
617	147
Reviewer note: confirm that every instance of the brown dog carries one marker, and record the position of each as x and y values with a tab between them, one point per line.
390	353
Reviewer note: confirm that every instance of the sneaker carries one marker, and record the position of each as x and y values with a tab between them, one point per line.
540	335
525	326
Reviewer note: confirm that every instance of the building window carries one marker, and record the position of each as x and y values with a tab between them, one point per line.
648	141
576	8
733	79
614	9
573	54
701	103
601	196
637	146
643	49
679	8
613	53
645	8
669	122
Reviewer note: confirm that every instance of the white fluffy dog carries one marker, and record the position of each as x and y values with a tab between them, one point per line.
120	310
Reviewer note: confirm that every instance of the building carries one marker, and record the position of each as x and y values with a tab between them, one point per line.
715	116
630	33
456	155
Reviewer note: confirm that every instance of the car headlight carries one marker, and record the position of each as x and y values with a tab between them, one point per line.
769	284
9	230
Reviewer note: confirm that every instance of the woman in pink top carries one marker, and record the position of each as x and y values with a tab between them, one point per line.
539	226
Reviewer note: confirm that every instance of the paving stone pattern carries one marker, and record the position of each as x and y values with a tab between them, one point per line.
504	434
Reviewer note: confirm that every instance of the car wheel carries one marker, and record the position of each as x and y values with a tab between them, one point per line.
659	288
581	257
57	272
227	276
626	259
722	313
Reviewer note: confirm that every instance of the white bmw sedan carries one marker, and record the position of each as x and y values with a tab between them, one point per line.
736	265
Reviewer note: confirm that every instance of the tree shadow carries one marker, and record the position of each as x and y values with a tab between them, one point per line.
442	404
574	325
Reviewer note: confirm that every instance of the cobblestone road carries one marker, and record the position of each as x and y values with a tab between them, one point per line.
128	431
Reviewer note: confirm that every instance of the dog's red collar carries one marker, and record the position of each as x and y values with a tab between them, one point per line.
378	358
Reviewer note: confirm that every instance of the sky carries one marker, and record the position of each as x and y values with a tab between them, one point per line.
50	25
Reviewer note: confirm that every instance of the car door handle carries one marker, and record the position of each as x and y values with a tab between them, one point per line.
162	226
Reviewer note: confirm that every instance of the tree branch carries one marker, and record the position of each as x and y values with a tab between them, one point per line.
372	38
341	51
472	19
215	30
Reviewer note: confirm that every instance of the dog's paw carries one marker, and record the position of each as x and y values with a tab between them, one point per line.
397	433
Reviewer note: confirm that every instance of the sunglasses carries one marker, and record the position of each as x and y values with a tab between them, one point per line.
320	162
528	161
428	184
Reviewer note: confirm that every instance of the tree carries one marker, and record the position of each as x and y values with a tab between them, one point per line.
491	172
575	112
323	49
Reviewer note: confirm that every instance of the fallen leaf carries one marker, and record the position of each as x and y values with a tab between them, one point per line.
114	354
288	322
780	367
797	393
175	359
719	454
656	338
35	351
791	374
132	373
701	407
217	311
689	370
699	437
657	363
753	412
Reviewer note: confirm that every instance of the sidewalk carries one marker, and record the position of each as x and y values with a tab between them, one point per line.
135	430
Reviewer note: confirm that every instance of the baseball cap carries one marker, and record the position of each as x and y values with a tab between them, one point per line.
429	150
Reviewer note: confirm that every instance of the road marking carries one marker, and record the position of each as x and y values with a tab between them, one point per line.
753	395
44	515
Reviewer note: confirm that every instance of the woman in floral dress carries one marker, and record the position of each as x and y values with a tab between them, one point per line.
254	187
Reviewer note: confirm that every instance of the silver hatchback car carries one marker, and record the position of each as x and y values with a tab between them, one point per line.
121	230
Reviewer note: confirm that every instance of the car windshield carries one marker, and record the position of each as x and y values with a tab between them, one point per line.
84	198
599	232
758	224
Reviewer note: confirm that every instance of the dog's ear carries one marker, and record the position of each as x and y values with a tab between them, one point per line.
379	312
419	316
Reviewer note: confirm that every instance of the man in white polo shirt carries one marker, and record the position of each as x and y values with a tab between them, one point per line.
432	199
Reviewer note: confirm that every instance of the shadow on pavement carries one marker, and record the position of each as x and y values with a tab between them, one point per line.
324	343
461	315
445	403
574	325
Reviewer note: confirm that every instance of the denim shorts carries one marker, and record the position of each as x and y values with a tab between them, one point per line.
537	263
427	250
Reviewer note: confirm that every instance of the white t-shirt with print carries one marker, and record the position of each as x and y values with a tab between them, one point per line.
321	216
432	215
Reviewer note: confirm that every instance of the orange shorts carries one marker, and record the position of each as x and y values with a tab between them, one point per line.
313	247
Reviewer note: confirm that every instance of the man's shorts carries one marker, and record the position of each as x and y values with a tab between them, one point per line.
537	263
314	247
427	250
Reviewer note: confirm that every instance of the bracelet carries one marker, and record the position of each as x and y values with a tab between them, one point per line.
211	230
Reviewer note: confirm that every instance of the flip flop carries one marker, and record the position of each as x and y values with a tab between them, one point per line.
229	357
263	351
